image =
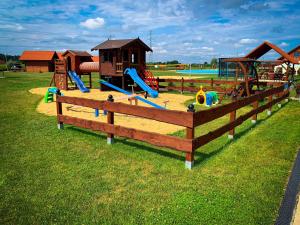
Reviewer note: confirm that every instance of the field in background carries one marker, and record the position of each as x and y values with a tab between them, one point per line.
72	176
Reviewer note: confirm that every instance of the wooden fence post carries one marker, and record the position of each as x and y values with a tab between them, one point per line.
269	111
60	125
110	120
190	133
254	117
157	81
182	83
232	118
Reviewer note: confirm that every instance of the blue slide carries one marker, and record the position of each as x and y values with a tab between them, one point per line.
133	74
78	81
128	93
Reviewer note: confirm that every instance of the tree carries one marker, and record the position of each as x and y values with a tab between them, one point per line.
214	62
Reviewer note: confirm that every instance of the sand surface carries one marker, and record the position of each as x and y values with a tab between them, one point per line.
175	102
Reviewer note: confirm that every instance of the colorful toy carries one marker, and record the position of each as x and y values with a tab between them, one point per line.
50	93
207	98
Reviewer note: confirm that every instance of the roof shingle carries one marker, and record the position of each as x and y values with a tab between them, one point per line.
37	55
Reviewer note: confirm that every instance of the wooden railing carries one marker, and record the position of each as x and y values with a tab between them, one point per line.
119	67
190	120
192	85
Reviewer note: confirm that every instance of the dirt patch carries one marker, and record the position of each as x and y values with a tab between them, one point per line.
175	102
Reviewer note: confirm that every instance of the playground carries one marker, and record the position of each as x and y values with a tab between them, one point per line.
112	143
172	101
73	176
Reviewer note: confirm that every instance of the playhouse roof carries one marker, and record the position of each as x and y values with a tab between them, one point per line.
291	52
59	54
37	55
267	46
113	44
77	53
95	58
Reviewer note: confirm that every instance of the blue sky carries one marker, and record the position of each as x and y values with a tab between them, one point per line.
187	30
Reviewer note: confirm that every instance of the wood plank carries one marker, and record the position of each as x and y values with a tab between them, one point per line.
95	104
204	139
162	140
175	117
208	115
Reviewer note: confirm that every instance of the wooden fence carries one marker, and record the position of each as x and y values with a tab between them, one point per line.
189	120
192	85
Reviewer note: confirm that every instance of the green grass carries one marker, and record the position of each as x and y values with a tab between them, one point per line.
48	176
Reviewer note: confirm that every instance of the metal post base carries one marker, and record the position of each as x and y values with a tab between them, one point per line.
253	121
269	112
279	105
189	164
60	126
286	100
230	136
110	141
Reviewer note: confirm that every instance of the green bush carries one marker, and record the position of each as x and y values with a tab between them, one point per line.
3	67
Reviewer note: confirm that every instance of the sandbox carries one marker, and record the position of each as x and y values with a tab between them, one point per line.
175	102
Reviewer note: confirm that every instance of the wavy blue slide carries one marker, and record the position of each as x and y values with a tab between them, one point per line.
78	81
134	75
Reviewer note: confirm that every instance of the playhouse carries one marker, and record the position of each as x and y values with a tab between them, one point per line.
117	55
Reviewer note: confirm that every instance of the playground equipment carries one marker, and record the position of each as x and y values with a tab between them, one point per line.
207	98
50	94
78	81
130	94
138	80
150	80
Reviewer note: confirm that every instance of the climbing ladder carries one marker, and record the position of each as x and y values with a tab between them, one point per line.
150	80
48	97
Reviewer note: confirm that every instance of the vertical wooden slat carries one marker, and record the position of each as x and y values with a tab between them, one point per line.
190	134
270	98
182	84
110	120
232	118
59	111
254	117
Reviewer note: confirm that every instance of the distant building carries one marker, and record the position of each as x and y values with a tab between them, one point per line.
295	53
39	61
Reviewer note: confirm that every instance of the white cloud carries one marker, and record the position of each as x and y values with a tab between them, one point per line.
93	23
159	50
283	44
247	41
209	49
16	26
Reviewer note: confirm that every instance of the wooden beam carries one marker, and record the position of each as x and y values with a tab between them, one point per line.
175	117
162	140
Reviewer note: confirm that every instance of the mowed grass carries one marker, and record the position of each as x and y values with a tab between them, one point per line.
49	176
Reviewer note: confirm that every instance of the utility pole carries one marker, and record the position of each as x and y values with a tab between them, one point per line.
6	61
150	58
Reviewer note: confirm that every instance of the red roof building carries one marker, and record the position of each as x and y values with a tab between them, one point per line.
39	61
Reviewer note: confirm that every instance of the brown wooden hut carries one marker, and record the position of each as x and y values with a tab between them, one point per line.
39	61
74	58
117	55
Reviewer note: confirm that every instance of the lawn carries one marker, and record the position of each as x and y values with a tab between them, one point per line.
49	176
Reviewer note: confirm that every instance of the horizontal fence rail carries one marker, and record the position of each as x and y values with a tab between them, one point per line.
189	120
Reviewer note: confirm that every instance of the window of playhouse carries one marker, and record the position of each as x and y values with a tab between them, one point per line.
134	58
125	55
105	56
297	54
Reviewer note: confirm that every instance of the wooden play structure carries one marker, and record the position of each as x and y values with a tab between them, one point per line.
116	56
80	62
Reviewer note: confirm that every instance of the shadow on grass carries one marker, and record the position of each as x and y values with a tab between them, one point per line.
203	157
